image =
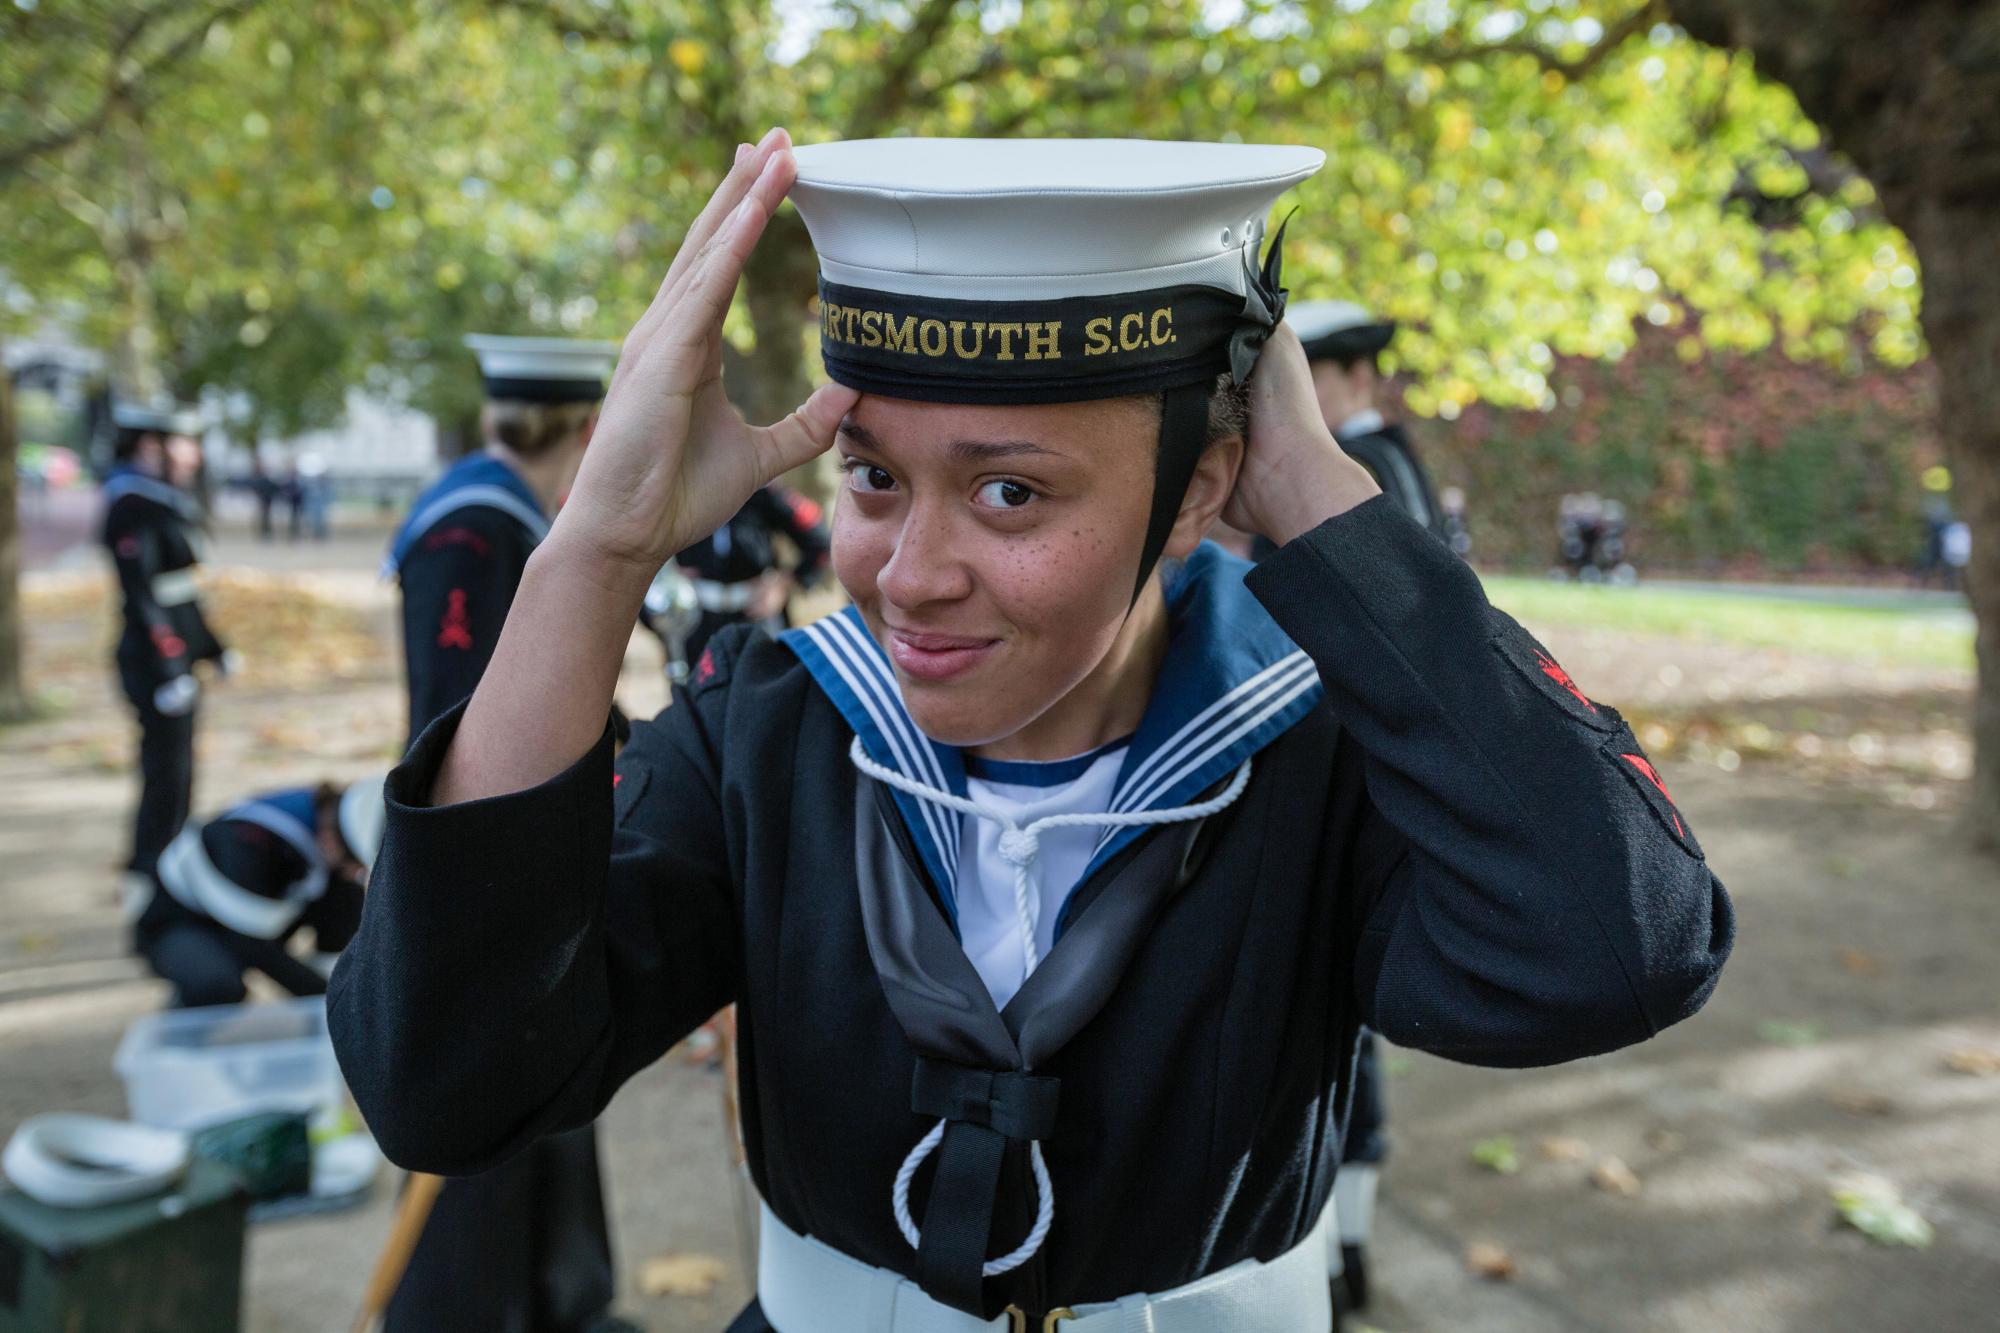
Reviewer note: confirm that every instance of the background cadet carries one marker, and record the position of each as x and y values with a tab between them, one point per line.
735	570
230	894
152	527
528	1245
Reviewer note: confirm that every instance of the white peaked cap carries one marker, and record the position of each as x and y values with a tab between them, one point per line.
1316	319
1338	328
163	418
1014	219
1042	270
543	369
361	817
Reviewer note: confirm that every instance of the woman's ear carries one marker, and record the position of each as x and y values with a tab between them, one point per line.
1208	491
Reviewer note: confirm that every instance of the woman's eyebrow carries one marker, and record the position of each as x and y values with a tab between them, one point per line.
964	451
980	451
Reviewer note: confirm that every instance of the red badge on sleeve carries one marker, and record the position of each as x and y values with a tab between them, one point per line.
1646	781
1538	666
455	631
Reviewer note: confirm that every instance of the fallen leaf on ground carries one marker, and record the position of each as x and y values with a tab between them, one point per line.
1490	1261
681	1274
1971	1060
1874	1207
1861	963
1614	1177
1497	1154
1860	1101
1561	1148
1782	1032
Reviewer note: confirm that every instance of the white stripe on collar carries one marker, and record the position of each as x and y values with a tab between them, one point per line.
151	488
860	666
466	497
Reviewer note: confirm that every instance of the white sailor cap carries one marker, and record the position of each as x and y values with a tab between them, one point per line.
1023	270
362	817
157	418
1338	330
543	370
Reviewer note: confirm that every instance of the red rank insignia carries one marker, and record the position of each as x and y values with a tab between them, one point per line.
455	631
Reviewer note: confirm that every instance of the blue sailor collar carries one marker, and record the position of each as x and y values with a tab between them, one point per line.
1232	682
478	479
124	479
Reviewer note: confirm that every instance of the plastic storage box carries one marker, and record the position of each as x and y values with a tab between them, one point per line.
188	1068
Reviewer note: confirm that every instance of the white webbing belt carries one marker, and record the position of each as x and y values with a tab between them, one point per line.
712	596
807	1286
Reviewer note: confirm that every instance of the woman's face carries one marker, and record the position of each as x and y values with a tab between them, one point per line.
992	550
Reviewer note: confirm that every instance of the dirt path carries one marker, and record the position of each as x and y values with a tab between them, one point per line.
1822	792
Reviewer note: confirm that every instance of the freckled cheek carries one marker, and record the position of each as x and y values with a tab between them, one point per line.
860	549
1051	588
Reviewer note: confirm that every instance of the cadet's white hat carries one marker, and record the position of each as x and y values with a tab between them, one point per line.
1024	270
1049	270
160	418
361	816
1338	330
543	370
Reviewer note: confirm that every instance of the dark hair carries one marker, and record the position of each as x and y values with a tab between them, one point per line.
126	441
532	429
1228	408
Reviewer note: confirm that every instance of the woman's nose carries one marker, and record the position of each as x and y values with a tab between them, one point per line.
923	567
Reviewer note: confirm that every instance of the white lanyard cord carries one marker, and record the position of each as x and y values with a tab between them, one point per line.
1019	847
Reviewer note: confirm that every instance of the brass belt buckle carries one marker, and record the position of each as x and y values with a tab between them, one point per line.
1055	1317
1017	1319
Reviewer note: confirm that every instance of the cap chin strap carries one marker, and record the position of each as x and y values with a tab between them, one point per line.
1183	440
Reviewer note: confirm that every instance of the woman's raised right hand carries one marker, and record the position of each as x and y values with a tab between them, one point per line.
671	459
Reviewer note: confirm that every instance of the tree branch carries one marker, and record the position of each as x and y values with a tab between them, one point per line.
123	88
892	93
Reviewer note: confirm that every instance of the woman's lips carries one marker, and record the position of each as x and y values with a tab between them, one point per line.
936	657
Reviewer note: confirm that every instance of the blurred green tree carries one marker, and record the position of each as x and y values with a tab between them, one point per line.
283	199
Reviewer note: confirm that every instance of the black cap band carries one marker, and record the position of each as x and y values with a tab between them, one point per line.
1062	350
544	391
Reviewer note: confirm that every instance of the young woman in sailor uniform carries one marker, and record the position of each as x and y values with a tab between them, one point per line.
1054	879
230	894
152	527
527	1246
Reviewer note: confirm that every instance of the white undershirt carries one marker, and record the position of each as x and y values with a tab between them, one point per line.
1365	422
989	927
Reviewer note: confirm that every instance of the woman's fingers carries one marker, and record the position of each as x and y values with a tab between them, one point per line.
804	435
709	284
740	180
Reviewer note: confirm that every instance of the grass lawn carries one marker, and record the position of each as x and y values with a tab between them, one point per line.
1891	636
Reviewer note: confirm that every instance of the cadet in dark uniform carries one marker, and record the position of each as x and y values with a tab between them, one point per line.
735	568
1055	879
1342	342
231	893
527	1246
152	527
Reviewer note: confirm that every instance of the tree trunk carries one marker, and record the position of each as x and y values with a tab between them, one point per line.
779	284
13	697
1910	90
1962	324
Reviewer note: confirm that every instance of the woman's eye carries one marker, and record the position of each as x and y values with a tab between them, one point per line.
1005	494
866	477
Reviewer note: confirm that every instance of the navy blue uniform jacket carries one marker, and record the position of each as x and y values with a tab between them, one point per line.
1455	847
